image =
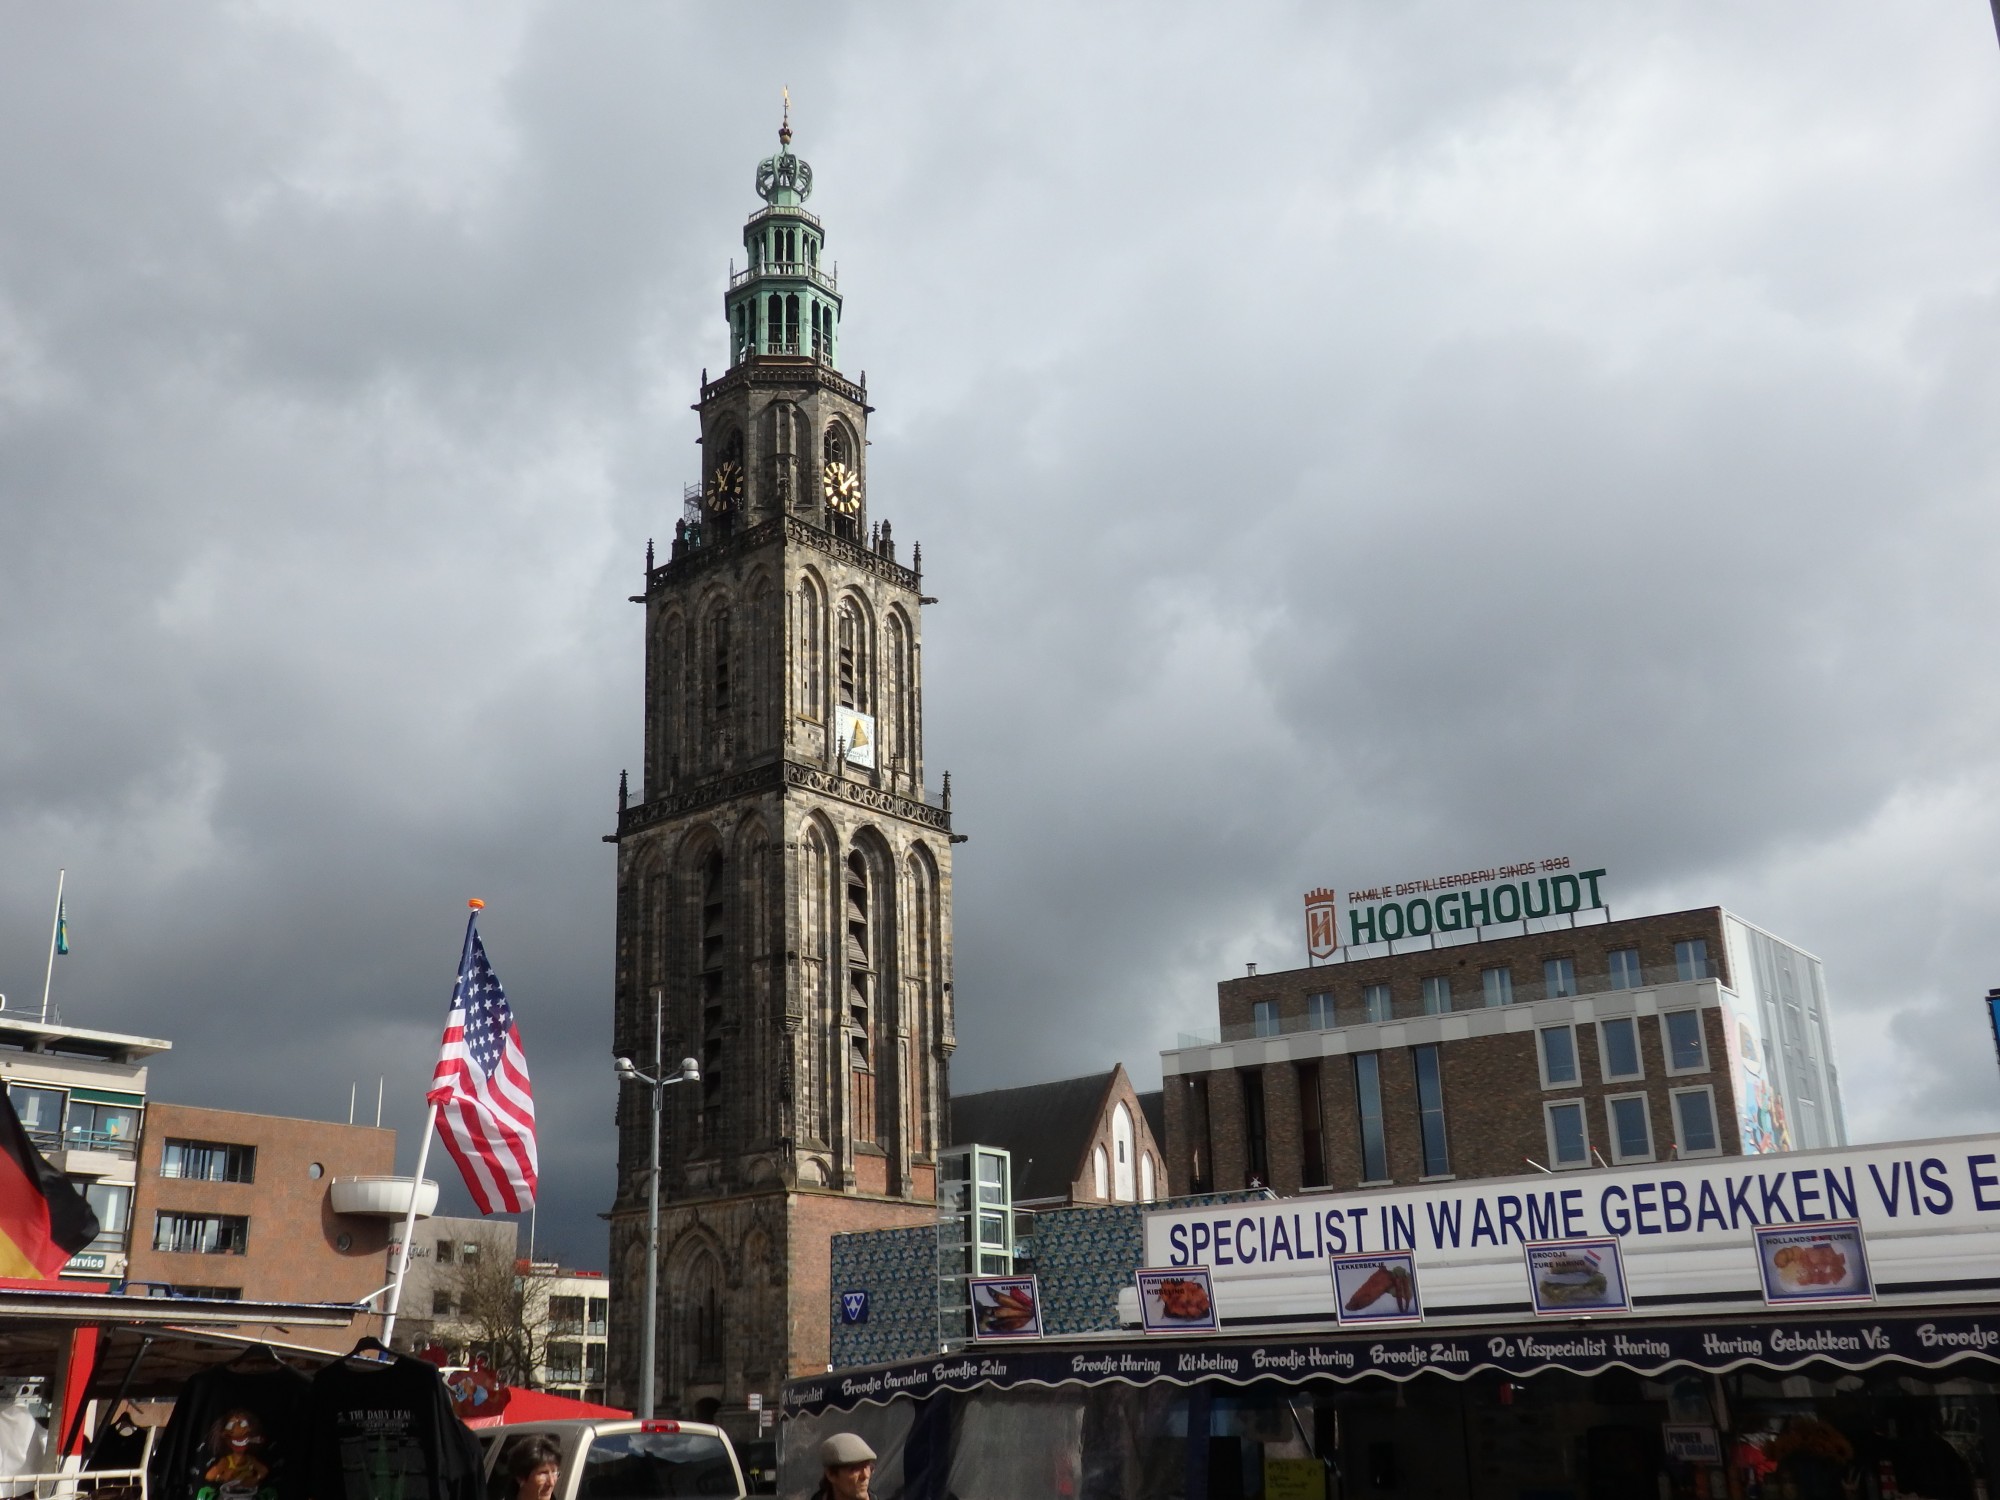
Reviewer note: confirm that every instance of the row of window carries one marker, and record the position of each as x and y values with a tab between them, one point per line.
573	1364
1496	987
208	1161
1619	1060
201	1234
56	1119
585	1316
1628	1125
1628	1128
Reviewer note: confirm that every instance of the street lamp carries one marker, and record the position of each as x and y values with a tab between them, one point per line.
656	1081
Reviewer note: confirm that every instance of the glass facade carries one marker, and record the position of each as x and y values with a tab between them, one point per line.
1368	1096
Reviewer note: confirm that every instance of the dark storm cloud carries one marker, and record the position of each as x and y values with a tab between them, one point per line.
1346	445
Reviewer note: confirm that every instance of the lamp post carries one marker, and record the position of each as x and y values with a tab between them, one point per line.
690	1073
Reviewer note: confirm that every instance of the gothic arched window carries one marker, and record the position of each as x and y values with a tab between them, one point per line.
896	733
812	653
1123	1144
1100	1174
854	683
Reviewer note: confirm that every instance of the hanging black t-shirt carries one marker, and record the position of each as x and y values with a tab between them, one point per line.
386	1432
235	1435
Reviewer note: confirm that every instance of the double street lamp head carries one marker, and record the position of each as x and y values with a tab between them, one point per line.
690	1073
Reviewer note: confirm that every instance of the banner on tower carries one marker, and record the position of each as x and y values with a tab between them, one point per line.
857	737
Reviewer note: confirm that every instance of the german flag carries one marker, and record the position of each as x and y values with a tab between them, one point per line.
44	1219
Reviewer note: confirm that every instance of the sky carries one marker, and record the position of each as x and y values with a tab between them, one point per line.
1348	443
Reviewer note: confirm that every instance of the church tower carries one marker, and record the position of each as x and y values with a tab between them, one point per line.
784	876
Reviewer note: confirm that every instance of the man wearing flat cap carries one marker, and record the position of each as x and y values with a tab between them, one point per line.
849	1465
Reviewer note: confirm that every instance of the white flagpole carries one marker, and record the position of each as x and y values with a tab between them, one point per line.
424	1150
409	1226
55	927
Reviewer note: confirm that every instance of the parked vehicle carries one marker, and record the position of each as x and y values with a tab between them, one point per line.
622	1459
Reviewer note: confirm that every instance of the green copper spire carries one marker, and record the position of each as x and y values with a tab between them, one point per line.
783	304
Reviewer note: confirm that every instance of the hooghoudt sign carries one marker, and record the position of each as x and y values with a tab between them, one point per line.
1919	1185
1450	903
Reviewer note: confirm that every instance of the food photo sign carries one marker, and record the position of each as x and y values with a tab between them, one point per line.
1571	1277
1813	1263
1375	1288
1177	1300
1005	1307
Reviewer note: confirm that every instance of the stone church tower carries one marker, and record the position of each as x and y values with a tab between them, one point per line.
784	878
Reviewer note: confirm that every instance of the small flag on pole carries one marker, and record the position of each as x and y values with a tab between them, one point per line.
62	928
486	1108
44	1218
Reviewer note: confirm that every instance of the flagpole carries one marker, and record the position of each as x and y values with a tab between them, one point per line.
55	928
424	1153
409	1227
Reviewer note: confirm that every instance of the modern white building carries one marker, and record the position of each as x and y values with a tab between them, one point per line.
81	1096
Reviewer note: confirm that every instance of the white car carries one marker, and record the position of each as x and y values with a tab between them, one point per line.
621	1459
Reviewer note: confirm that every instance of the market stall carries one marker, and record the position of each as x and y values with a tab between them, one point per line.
1812	1325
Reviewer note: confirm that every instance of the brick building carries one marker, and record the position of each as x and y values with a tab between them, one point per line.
784	874
1692	1033
242	1206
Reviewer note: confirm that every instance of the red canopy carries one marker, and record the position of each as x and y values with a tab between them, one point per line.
518	1405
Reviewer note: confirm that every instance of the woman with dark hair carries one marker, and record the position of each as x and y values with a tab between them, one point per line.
533	1462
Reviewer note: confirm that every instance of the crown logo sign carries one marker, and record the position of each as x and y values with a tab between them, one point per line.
1320	896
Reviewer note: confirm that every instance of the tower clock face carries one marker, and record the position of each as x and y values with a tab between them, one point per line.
842	488
725	486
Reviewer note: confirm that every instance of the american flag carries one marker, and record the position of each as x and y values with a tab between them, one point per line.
486	1108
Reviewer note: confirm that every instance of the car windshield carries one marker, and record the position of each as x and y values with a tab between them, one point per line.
647	1465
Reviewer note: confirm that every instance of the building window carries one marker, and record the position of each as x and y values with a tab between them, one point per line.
1256	1149
201	1234
1694	1119
1430	1110
599	1317
1557	1046
1631	1127
1100	1174
1625	971
1437	995
112	1203
1691	959
1498	985
208	1161
1681	1039
1568	1132
566	1317
101	1127
1558	977
1148	1182
1368	1096
440	1304
444	1252
206	1293
1264	1017
1618	1049
1375	1002
41	1112
1312	1131
1319	1012
468	1253
1201	1163
565	1363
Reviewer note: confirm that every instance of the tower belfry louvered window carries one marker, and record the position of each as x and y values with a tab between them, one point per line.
784	885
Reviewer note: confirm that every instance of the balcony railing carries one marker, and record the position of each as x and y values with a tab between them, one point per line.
1409	1004
805	270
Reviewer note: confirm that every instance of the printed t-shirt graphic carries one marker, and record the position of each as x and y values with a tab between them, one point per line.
386	1432
235	1436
